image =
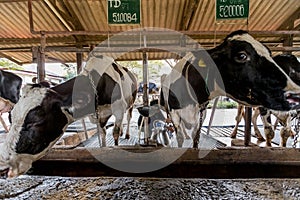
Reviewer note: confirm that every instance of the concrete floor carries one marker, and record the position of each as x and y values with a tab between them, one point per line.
37	187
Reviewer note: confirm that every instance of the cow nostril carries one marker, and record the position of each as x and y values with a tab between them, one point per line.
4	173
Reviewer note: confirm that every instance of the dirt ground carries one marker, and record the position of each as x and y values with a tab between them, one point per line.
40	187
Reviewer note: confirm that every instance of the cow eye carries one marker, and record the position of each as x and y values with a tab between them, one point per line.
242	57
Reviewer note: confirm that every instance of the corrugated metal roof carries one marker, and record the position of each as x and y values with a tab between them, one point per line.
186	16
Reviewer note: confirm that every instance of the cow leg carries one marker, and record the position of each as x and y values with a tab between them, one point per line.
102	134
286	131
176	120
129	116
268	129
102	130
238	118
116	134
254	122
186	136
118	126
179	135
276	124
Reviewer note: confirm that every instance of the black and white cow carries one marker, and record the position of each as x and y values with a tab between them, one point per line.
291	66
245	67
10	86
42	114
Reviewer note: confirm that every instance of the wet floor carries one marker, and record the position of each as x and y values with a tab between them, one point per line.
40	187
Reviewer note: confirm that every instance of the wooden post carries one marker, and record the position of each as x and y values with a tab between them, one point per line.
79	57
41	74
288	42
145	94
248	116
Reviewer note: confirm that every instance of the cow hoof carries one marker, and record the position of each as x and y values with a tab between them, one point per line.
127	136
116	142
195	145
233	136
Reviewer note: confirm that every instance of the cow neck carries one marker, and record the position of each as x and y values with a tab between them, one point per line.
65	90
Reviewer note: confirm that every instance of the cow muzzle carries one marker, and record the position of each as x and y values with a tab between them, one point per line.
4	173
294	100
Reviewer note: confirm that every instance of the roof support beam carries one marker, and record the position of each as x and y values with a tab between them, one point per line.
190	9
289	23
57	12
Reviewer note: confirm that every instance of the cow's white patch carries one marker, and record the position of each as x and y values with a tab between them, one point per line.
259	47
100	64
103	65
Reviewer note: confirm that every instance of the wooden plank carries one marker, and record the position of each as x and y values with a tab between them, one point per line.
217	156
219	163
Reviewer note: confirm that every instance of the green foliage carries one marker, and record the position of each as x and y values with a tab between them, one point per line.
71	70
224	104
154	68
4	63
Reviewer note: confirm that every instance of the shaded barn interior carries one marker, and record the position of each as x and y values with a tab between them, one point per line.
39	31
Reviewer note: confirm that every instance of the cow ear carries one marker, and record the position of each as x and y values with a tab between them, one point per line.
83	103
83	99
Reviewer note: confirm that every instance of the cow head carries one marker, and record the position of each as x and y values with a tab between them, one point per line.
40	118
38	122
249	73
10	85
290	65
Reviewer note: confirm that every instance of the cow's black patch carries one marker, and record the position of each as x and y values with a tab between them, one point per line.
290	65
190	88
10	85
116	68
42	125
108	90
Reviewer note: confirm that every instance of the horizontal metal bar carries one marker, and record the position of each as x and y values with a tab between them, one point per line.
127	48
148	32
